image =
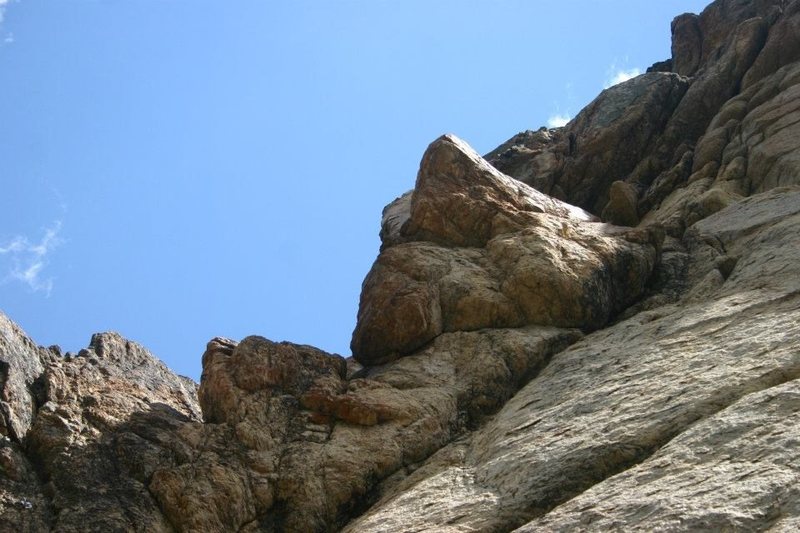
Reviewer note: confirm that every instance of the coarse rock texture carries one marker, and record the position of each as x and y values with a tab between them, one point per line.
291	444
23	506
611	401
584	156
660	117
21	363
99	421
594	327
481	250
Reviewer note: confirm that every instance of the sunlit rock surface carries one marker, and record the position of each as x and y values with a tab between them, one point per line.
594	328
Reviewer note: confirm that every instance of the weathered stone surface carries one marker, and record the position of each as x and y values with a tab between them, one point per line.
108	418
23	504
782	46
687	44
750	146
632	114
21	363
735	471
617	397
698	39
461	200
716	83
292	444
534	157
730	46
484	251
486	395
395	215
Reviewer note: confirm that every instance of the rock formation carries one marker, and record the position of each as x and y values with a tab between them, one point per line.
594	327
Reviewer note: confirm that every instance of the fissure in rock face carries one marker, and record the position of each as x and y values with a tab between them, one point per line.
592	327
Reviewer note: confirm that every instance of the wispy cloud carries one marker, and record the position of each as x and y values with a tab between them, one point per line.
621	75
558	120
24	261
3	5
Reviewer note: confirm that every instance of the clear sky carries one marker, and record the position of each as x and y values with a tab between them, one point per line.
177	170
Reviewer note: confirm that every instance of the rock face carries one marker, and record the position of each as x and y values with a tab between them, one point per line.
100	423
631	399
480	250
594	327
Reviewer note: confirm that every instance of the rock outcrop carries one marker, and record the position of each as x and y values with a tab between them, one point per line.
594	327
629	398
480	250
100	423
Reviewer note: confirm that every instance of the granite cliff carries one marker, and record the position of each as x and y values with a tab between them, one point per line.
592	327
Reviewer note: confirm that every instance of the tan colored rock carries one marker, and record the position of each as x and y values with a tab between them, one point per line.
108	419
21	363
751	146
782	46
665	115
23	503
675	390
298	446
489	398
714	85
733	471
494	253
461	200
698	39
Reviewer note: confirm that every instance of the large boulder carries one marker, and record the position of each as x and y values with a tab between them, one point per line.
481	250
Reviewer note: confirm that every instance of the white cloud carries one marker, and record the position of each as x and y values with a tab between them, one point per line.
9	38
558	120
3	5
620	76
24	261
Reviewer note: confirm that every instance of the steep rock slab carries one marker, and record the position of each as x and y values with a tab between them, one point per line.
291	444
612	400
23	504
615	133
735	471
578	163
481	250
767	137
21	363
109	416
714	85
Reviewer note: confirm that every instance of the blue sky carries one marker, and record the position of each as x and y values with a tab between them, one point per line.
177	170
